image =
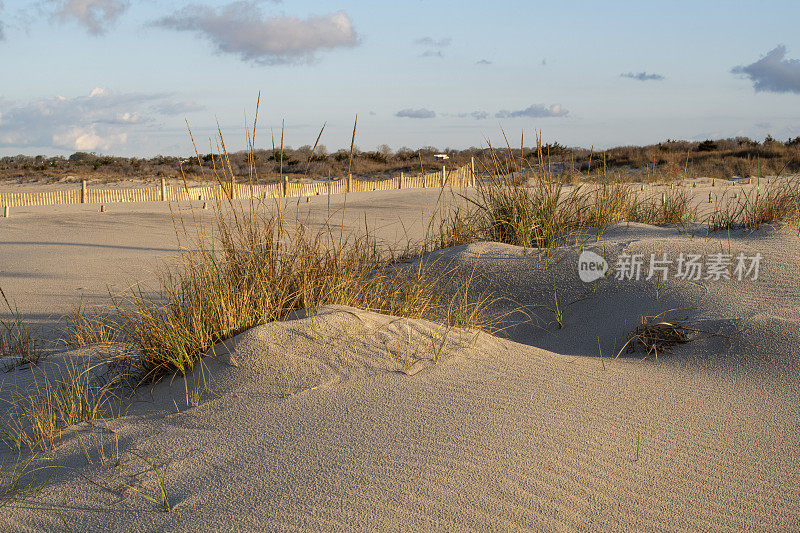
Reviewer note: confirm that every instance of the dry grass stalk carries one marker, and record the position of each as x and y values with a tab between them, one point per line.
656	337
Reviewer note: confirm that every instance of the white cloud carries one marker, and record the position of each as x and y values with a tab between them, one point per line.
95	15
99	121
241	28
416	113
773	72
535	111
87	139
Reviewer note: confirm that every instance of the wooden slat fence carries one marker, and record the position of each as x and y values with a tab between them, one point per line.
460	177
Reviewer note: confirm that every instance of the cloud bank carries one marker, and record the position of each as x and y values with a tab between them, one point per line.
95	15
535	111
99	121
240	28
642	76
415	113
773	72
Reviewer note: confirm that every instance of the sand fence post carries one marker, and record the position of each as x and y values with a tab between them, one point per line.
6	212
444	175
285	186
349	183
400	181
472	171
163	190
83	192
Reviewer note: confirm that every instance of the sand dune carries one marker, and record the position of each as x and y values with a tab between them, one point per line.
321	423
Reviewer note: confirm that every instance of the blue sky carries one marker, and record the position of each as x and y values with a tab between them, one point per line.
121	77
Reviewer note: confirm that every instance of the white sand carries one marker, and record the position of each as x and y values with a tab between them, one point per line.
532	431
54	258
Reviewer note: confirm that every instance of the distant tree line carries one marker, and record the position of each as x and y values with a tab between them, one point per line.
724	158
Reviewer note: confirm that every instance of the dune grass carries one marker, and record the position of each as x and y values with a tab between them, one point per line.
89	327
36	417
538	209
775	202
17	338
22	478
259	264
261	268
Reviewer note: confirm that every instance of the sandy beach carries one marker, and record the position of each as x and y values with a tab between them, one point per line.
320	423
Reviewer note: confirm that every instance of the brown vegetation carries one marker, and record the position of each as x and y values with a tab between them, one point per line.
670	159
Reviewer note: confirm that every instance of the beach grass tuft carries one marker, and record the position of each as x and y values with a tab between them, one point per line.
18	338
36	417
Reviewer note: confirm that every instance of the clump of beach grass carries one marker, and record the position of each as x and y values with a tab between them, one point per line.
60	397
541	210
262	264
777	201
259	270
18	338
88	328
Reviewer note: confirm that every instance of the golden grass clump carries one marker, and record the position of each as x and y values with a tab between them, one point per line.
36	417
260	266
539	209
535	209
18	339
258	270
777	201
